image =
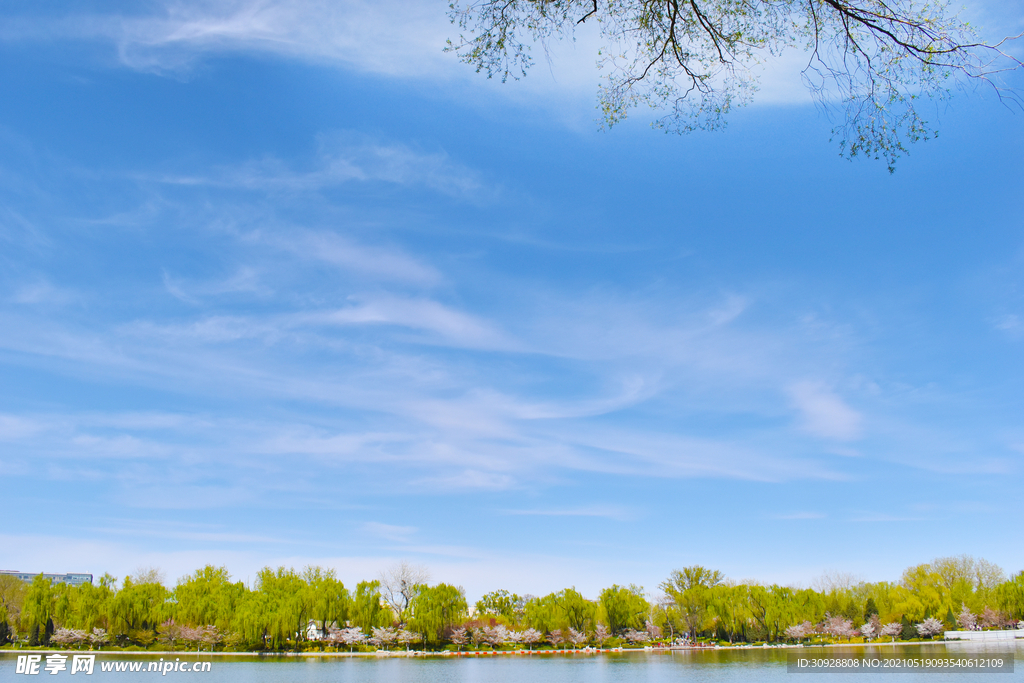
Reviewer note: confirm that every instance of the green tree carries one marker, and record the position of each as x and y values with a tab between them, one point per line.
543	614
772	608
207	597
252	619
624	607
368	609
575	611
37	606
730	608
283	611
137	608
690	588
326	598
435	609
502	604
908	631
665	616
12	596
1010	596
870	609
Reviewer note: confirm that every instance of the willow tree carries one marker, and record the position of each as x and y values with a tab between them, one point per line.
137	609
207	597
37	607
694	60
12	596
326	599
624	607
1010	595
437	609
691	588
283	610
368	609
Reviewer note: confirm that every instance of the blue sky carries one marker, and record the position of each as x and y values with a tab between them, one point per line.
281	283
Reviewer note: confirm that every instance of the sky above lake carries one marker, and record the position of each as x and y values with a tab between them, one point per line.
282	283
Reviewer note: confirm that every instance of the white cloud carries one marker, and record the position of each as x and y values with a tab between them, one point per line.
450	325
388	264
43	292
13	427
823	413
388	37
391	38
350	158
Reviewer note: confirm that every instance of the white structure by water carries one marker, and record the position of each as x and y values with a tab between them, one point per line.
986	636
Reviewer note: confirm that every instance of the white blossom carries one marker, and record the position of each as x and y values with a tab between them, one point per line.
930	627
966	619
892	629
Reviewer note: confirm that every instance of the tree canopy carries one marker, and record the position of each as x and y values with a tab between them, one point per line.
877	60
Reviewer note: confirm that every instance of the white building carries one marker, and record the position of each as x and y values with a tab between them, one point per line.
70	579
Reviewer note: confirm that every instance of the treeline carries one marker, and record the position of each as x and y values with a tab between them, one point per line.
286	609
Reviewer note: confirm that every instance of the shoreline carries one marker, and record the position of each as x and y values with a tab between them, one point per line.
482	653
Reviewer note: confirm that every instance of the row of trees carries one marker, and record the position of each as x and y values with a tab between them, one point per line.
286	608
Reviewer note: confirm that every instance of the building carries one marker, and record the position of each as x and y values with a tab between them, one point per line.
70	579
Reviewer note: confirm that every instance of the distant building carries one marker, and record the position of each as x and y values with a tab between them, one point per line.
70	579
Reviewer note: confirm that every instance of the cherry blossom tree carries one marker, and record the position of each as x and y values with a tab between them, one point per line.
495	635
350	636
892	629
577	638
556	638
601	634
868	630
170	632
966	618
635	637
383	636
930	627
191	635
478	635
459	636
514	637
653	630
67	637
532	636
99	637
407	637
211	636
799	631
838	627
992	619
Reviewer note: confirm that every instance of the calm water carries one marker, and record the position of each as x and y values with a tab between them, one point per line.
729	666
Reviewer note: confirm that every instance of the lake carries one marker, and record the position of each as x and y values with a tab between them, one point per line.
712	666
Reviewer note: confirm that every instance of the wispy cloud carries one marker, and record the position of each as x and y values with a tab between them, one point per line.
244	281
452	326
377	262
823	413
346	157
